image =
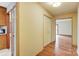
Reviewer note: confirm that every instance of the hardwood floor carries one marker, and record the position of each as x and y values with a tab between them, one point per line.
62	47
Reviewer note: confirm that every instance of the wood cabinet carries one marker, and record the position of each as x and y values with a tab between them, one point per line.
2	41
3	38
2	16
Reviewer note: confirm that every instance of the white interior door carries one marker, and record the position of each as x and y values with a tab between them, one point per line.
13	31
47	30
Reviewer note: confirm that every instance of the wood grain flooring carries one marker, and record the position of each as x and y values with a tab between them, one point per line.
62	47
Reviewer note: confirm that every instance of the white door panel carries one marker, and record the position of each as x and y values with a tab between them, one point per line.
13	31
47	30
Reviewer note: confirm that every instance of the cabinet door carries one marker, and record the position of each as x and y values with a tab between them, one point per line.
3	42
2	16
2	19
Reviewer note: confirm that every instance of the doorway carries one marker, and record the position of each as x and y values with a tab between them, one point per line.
63	35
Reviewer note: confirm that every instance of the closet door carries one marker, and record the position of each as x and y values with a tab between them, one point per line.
47	30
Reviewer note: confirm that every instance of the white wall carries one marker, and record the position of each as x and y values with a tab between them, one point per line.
64	26
31	17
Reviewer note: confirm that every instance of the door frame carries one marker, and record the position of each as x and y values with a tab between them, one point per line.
57	29
10	30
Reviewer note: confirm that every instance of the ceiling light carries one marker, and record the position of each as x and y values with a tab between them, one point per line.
55	4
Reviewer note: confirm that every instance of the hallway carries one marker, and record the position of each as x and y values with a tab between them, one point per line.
62	47
28	28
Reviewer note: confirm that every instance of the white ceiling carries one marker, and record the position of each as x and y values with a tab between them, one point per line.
8	5
4	4
66	7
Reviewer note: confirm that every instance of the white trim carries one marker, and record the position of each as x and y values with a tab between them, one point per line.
78	32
